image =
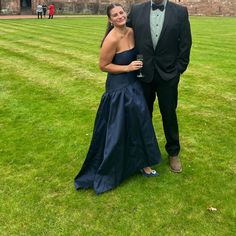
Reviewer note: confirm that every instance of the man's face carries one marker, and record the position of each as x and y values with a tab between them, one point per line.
157	1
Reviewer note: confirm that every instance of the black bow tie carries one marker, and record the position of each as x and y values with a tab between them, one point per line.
155	6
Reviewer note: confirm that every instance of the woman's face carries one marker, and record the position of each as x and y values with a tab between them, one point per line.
118	16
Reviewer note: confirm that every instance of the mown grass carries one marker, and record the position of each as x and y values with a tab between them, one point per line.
50	88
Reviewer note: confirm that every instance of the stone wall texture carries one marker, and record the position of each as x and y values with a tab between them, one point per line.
9	6
195	7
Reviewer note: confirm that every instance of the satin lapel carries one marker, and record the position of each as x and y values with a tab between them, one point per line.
166	19
146	18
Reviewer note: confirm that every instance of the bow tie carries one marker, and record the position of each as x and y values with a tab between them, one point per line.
155	7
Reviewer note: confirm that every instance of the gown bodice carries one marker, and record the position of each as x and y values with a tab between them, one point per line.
120	80
124	58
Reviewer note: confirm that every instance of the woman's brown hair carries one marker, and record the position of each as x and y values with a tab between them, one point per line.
109	25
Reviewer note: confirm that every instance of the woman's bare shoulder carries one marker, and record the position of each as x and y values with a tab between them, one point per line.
130	30
111	39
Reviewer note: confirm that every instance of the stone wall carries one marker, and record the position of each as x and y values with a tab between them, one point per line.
9	7
210	7
84	6
195	7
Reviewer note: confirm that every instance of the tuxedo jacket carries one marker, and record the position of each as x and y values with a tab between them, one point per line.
170	58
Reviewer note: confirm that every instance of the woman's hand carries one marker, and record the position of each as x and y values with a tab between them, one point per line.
134	65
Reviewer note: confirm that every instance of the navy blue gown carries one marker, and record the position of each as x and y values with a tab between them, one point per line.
123	139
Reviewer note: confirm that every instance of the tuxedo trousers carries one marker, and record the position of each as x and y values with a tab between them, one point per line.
167	95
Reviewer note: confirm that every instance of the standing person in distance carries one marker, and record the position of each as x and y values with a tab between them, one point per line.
39	10
44	10
162	34
124	140
51	11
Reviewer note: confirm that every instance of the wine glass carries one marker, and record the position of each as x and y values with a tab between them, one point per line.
140	58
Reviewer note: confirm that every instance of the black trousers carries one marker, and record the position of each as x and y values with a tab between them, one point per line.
40	14
167	95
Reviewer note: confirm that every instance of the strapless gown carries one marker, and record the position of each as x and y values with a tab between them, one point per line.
123	139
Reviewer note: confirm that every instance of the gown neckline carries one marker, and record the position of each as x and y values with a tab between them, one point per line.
126	50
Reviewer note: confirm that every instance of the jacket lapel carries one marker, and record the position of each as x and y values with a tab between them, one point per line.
146	18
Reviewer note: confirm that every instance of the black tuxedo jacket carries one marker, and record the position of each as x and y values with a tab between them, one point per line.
171	55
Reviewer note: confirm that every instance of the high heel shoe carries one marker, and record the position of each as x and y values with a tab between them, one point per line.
153	173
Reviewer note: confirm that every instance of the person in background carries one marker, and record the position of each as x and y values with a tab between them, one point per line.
39	10
44	10
51	11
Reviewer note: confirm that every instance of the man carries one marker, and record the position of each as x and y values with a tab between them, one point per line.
163	36
39	10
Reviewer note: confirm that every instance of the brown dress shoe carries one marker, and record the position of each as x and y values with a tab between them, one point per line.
175	164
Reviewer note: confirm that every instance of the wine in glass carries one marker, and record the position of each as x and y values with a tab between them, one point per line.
140	58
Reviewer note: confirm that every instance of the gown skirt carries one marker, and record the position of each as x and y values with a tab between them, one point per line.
123	139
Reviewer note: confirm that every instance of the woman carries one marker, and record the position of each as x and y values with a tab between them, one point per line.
123	141
51	11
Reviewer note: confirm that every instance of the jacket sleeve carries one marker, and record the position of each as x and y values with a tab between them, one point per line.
185	42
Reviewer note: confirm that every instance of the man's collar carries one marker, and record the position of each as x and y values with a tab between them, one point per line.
163	3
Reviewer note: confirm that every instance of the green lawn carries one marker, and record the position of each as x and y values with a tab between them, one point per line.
50	88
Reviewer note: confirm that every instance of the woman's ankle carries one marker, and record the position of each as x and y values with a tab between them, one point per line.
147	169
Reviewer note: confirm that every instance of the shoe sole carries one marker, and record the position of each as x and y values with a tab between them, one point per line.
176	171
